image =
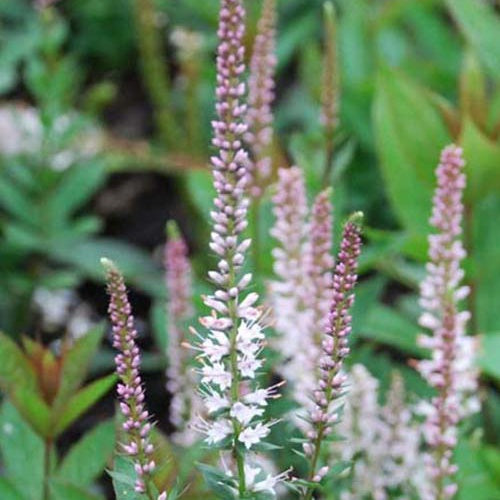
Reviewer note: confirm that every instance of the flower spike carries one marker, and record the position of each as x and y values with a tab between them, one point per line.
290	292
331	383
230	348
181	383
451	369
260	98
137	424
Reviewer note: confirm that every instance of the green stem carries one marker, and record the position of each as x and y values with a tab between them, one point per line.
255	215
235	381
329	154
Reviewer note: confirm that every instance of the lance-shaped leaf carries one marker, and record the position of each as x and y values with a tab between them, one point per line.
81	402
75	363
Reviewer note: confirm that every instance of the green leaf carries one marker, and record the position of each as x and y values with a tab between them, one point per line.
474	478
200	186
76	186
409	137
217	482
82	401
8	492
18	380
473	90
15	370
488	357
33	409
387	326
480	25
87	458
136	265
76	362
17	202
485	264
62	490
124	477
483	158
23	453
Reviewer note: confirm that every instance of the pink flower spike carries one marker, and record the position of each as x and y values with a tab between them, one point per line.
230	347
130	390
331	380
451	368
181	380
259	117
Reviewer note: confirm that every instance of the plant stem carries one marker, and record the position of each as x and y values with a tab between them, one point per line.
329	153
255	215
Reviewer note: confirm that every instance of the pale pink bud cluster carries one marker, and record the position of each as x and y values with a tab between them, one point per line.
130	391
290	292
230	348
320	261
331	379
260	97
181	382
450	370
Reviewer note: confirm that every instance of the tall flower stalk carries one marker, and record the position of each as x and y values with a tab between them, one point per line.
137	426
320	262
450	370
330	87
154	71
259	117
260	98
181	382
230	348
335	347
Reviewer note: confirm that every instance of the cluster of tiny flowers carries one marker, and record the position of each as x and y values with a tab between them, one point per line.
320	262
229	350
451	368
381	441
261	474
130	391
181	381
335	348
289	293
260	97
